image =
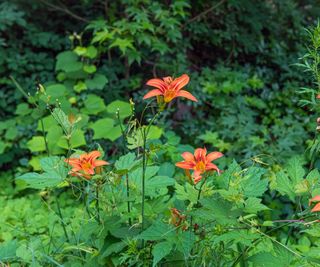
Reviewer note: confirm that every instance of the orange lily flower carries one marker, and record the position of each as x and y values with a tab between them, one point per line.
170	88
317	206
86	163
200	162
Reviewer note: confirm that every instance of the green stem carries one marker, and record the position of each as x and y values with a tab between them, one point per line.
98	204
128	195
61	218
145	132
144	166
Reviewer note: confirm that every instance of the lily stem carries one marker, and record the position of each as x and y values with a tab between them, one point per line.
128	195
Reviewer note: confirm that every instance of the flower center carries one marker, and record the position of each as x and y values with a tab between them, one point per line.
169	95
200	166
86	165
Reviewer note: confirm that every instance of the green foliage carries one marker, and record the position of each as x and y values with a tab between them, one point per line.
239	55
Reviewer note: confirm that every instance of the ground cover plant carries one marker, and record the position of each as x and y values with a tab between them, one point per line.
159	133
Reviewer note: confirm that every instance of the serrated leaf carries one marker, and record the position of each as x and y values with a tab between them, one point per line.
253	205
252	184
157	231
126	162
160	250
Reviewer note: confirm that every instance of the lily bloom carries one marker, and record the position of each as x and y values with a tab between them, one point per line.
85	165
169	88
317	206
199	162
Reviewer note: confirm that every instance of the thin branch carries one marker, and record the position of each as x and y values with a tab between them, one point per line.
204	13
65	10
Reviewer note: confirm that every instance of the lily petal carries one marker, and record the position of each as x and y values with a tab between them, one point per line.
185	165
316	208
214	155
157	83
199	153
211	166
98	163
314	199
152	93
187	156
92	156
180	82
197	177
186	94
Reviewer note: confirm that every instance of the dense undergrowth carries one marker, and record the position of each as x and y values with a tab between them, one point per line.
73	77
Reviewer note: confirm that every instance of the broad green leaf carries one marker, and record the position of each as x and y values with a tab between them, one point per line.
154	132
114	248
80	86
105	129
122	107
98	82
160	250
68	62
90	68
126	162
253	205
36	144
55	91
77	139
102	127
295	170
91	52
252	184
80	50
186	192
54	173
23	109
157	231
8	250
93	105
157	185
244	237
3	146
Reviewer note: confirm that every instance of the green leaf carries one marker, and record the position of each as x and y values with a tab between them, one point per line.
126	162
157	231
114	248
80	86
8	250
91	52
80	50
90	68
122	107
122	44
252	184
155	132
187	192
105	129
36	144
98	82
54	173
295	170
23	109
55	91
77	139
157	185
244	237
93	105
160	250
68	61
253	205
62	119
